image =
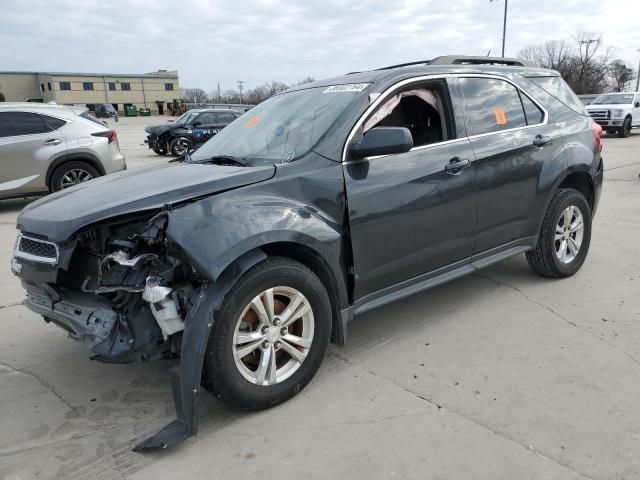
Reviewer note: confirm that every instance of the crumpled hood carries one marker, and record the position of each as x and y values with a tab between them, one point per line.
61	214
160	128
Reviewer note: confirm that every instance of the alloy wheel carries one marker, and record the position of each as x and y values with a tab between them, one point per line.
273	336
568	234
74	177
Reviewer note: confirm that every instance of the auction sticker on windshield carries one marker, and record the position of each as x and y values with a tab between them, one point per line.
347	87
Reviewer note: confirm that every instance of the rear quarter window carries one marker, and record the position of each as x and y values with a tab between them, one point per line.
52	123
558	88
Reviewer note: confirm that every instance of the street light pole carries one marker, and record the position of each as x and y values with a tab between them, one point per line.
638	73
504	24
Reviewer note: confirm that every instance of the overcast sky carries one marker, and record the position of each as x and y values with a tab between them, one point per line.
210	41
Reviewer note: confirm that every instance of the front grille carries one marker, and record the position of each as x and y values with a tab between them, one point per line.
599	114
36	250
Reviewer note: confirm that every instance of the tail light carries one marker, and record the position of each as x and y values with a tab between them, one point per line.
111	135
597	134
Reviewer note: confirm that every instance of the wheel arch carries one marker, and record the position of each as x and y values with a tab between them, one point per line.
73	157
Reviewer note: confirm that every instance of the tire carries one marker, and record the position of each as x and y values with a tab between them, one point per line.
625	131
545	258
72	173
231	379
179	146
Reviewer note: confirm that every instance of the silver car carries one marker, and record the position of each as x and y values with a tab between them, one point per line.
45	148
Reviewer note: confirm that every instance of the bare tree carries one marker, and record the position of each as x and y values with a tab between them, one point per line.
553	54
194	95
306	80
621	75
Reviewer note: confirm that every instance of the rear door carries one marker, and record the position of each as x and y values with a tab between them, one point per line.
28	143
635	112
511	141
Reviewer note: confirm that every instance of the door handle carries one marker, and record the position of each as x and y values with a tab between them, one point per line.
542	140
53	141
456	165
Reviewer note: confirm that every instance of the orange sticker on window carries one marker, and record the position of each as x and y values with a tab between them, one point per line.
252	121
501	117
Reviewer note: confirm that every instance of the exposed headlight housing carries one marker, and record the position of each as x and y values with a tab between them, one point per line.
616	113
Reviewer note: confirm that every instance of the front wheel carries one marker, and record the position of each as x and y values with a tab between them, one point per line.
565	236
269	337
625	131
179	146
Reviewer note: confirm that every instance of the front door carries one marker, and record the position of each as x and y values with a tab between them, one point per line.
411	214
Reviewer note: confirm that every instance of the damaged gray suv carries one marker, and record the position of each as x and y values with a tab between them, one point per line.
328	200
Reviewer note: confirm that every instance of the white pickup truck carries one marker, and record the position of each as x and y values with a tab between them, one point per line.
616	112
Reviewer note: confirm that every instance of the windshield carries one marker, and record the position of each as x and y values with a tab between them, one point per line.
613	99
185	117
108	107
282	128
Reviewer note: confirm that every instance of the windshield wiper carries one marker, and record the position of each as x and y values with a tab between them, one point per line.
224	160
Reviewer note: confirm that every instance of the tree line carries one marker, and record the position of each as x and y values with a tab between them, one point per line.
251	96
586	64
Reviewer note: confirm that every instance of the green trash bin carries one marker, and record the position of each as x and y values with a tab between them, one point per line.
144	112
131	111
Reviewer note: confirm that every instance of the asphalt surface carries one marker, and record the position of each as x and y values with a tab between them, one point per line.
499	375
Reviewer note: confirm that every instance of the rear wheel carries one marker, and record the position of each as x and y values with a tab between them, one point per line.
564	238
269	337
625	131
72	173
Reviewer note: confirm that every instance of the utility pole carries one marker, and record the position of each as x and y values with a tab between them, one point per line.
240	83
219	100
587	42
638	73
504	23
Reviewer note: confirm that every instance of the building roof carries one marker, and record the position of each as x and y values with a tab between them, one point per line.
156	74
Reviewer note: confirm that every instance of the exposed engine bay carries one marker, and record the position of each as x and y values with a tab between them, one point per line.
125	292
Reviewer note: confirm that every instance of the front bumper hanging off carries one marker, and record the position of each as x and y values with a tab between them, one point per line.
186	377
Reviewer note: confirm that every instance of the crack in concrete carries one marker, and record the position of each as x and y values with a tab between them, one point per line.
561	317
480	424
12	304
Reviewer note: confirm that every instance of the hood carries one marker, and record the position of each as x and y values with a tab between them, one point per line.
609	106
160	128
60	215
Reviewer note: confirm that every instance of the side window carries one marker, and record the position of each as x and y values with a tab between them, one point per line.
112	86
206	118
65	85
125	86
493	105
87	85
225	118
558	88
419	108
52	123
20	123
531	110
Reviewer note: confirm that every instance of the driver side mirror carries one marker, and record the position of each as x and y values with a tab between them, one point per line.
196	124
637	104
382	141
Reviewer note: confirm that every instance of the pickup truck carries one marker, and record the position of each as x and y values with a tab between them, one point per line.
247	257
616	112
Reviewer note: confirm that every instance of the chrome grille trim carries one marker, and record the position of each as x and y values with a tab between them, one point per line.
19	250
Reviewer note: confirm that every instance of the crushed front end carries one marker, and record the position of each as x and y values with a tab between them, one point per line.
118	287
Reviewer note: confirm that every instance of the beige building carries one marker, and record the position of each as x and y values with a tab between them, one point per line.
148	90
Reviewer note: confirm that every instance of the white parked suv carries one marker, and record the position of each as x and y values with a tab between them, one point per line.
616	112
45	148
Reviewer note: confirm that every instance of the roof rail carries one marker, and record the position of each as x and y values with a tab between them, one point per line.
471	60
419	62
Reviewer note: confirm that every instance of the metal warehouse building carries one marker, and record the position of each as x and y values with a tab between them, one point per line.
148	90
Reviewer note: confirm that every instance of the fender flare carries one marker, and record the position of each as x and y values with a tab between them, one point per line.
68	157
185	378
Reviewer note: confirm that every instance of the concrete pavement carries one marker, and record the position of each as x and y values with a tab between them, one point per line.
499	375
